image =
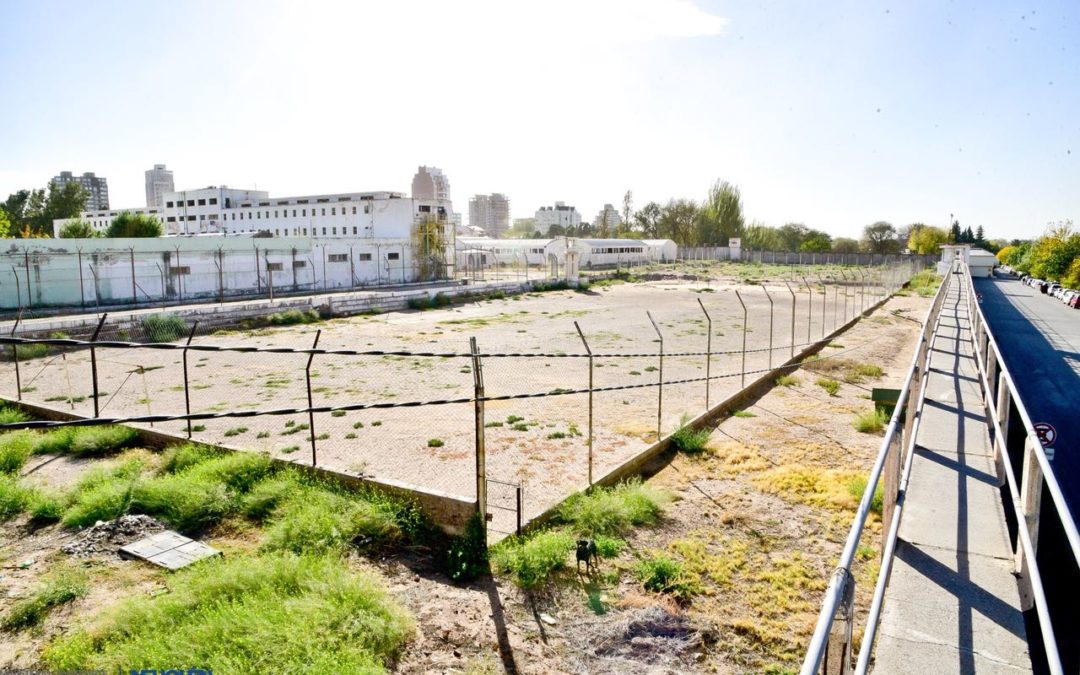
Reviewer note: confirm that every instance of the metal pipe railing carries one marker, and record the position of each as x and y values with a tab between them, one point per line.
835	590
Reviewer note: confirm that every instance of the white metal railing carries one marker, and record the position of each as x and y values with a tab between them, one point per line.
839	591
1024	497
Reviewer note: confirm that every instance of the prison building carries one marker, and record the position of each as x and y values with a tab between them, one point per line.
482	253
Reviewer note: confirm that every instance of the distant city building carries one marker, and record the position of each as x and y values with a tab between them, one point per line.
97	190
560	214
490	213
159	180
430	183
609	217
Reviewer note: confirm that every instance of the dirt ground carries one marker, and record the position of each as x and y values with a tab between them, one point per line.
759	520
539	442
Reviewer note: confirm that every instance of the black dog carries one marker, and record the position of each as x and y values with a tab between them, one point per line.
586	550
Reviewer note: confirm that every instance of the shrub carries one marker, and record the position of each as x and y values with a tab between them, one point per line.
435	443
662	574
45	508
467	558
237	614
98	441
14	498
787	381
186	502
317	521
831	386
33	350
871	422
291	317
690	440
607	511
15	449
106	500
164	328
180	457
337	413
609	547
869	370
9	415
62	588
530	562
236	431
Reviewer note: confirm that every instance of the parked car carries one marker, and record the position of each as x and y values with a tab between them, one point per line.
1067	295
1049	287
1074	302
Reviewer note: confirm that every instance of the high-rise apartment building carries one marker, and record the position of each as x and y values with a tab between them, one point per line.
562	215
490	212
97	190
159	180
607	221
430	183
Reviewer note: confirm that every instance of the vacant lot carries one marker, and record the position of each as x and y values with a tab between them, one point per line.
540	442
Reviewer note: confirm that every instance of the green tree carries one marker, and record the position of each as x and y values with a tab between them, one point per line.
761	237
926	240
78	229
647	220
816	242
792	236
129	224
5	224
678	219
721	215
954	232
880	238
845	245
627	210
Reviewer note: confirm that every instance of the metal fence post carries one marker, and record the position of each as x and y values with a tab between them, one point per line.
134	293
835	305
770	323
809	308
15	357
824	298
590	440
310	403
520	498
790	290
660	392
708	354
93	365
187	392
742	376
481	459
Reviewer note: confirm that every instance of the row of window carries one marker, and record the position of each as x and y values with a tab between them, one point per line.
298	264
193	202
616	249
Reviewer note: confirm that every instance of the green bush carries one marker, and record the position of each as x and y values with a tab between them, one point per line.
14	498
662	574
435	443
530	562
238	470
186	502
787	381
15	449
99	441
237	614
164	328
46	508
856	488
104	501
319	521
467	557
871	422
831	386
34	350
690	440
58	590
267	495
9	415
292	317
609	547
610	511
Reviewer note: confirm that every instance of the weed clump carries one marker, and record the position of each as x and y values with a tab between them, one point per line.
99	441
292	317
164	328
318	521
612	511
531	562
871	422
15	448
829	385
690	440
857	486
186	502
467	558
14	498
662	574
62	588
10	415
787	381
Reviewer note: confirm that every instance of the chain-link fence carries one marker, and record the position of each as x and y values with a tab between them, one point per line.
573	386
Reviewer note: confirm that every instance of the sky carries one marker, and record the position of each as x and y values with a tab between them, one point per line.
833	114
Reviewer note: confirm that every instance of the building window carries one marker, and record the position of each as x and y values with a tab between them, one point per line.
324	231
303	212
367	208
393	256
191	202
213	200
297	264
257	215
354	210
176	271
324	211
333	210
333	231
294	213
365	257
425	208
305	231
275	267
190	218
168	204
275	213
339	257
170	219
354	230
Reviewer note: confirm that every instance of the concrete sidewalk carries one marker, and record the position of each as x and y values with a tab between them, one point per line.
952	603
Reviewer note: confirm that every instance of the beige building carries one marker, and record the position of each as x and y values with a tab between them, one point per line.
430	183
159	180
490	213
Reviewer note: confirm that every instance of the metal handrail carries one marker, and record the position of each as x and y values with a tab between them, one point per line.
835	590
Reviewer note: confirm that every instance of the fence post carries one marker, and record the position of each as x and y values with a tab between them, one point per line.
708	355
310	403
788	284
15	357
824	298
1031	487
481	459
809	308
518	493
742	376
862	291
770	322
93	364
837	660
590	440
29	295
82	293
18	288
660	393
134	293
187	393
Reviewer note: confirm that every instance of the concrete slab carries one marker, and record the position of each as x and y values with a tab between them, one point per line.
168	549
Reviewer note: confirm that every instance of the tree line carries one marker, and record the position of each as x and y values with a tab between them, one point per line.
1054	256
28	214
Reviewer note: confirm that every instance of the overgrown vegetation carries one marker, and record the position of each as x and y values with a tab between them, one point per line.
62	587
829	385
787	381
436	301
661	574
689	440
164	328
871	422
292	317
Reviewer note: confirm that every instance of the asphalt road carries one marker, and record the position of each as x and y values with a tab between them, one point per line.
1040	341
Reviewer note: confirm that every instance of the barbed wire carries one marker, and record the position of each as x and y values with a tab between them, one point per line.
352	407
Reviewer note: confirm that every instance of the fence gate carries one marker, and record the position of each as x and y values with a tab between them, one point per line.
504	501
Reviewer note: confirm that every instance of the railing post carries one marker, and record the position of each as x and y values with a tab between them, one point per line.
590	440
15	358
1003	410
708	354
767	295
93	365
660	388
481	459
310	403
837	657
187	391
1031	484
742	375
790	290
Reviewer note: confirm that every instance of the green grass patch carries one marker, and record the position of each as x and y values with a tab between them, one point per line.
105	500
235	431
14	498
829	385
186	502
236	615
33	350
46	507
101	441
743	413
662	574
61	588
337	413
613	511
435	443
690	440
164	328
9	415
531	562
15	448
871	422
787	381
317	521
857	486
292	317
